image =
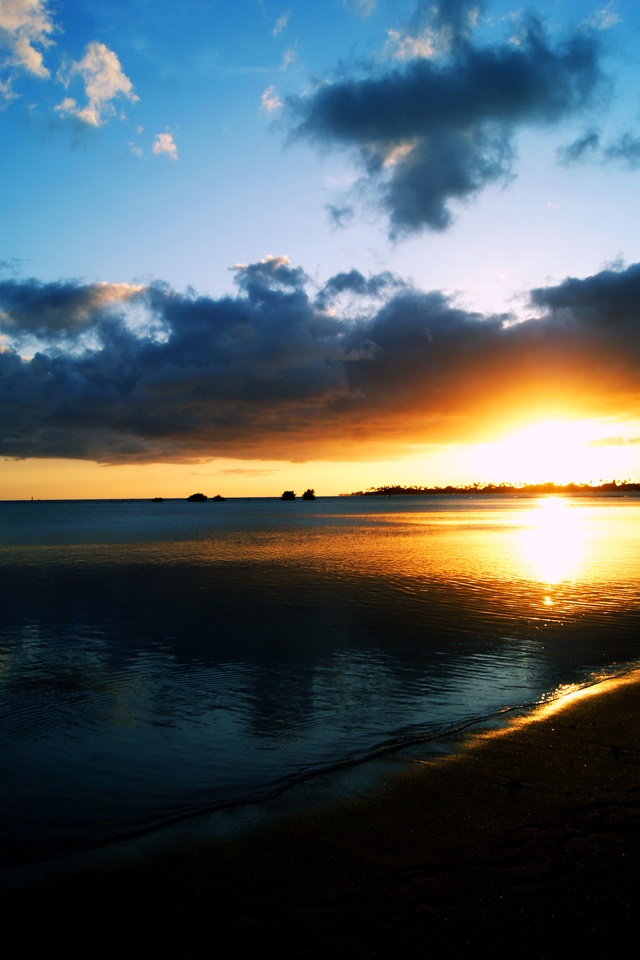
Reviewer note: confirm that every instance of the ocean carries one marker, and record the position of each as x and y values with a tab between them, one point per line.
163	663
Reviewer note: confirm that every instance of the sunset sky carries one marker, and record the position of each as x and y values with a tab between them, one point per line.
256	245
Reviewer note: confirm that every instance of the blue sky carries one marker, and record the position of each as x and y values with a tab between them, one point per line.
339	185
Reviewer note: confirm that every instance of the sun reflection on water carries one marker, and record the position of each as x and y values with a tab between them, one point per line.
553	546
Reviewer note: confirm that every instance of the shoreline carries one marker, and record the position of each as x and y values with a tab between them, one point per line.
577	491
527	839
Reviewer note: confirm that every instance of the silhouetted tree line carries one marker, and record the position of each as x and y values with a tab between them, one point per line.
613	486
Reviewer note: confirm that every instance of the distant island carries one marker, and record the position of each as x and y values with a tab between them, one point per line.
309	494
197	498
614	486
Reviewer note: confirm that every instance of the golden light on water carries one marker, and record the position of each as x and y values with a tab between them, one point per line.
554	543
549	548
562	698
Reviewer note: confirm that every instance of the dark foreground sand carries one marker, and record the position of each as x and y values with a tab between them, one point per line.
527	844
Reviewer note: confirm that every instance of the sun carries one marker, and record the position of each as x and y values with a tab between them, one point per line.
556	451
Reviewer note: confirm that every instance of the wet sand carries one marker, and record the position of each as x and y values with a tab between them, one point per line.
526	842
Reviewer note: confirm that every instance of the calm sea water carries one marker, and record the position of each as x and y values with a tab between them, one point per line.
160	659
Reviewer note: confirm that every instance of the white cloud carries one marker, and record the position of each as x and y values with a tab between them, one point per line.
362	7
278	260
271	260
398	154
605	18
6	93
404	47
281	23
270	100
105	293
104	80
25	26
164	145
66	106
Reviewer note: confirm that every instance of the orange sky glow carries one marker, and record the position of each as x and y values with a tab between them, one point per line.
436	282
559	451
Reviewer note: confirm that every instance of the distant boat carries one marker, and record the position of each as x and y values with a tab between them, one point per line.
157	500
197	498
288	495
309	494
219	499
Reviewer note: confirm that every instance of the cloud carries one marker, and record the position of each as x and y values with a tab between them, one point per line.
270	100
103	79
626	149
164	146
281	24
248	472
289	57
448	22
340	216
282	370
434	30
58	311
260	279
433	132
607	301
361	7
360	289
26	27
614	442
605	18
402	46
589	146
584	146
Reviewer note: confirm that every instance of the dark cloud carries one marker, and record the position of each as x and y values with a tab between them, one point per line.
11	265
355	283
625	150
57	310
257	279
608	300
340	216
431	132
278	371
584	146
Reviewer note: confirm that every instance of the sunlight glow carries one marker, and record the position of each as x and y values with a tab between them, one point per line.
554	545
556	451
590	451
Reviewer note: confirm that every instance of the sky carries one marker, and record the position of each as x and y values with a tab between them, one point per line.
255	246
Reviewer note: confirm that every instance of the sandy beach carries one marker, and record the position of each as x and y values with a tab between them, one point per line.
527	841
